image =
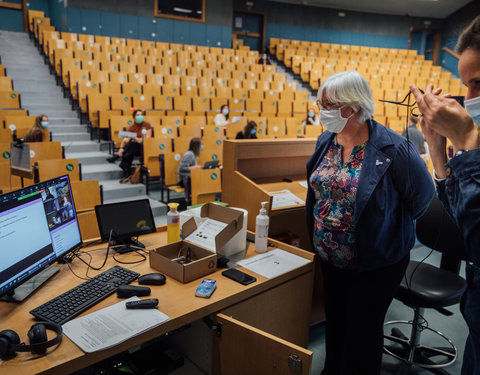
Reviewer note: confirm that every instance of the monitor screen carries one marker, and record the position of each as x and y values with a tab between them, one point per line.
38	225
124	220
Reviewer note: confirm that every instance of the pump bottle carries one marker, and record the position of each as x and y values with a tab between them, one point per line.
173	223
261	230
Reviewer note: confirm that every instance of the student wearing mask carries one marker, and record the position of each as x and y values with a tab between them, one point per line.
222	118
361	206
312	118
458	179
131	147
35	134
264	60
249	131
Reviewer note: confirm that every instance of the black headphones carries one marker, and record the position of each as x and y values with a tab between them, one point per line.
37	336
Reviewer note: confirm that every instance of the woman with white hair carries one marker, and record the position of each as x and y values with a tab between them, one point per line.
366	185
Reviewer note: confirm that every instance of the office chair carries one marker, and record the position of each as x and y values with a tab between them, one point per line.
426	286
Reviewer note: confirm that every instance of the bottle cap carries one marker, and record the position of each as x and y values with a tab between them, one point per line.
263	210
173	206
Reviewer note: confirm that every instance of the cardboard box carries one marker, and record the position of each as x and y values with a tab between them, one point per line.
204	261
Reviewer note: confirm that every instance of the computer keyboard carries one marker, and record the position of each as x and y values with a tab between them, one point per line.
73	302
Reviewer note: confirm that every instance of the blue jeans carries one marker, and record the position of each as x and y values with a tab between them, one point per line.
470	307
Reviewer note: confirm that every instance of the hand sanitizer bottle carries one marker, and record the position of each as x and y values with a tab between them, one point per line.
261	230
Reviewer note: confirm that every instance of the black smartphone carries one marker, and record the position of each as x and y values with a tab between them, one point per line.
239	276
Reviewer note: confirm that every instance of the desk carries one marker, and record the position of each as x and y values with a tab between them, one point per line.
279	306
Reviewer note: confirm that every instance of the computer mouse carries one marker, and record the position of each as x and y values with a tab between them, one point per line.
152	279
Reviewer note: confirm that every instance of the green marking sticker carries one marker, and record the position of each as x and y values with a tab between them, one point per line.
175	90
161	147
169	131
211	93
6	155
219	142
217	129
260	122
213	176
244	95
125	99
204	100
260	131
94	85
76	63
168	98
214	156
177	122
129	122
84	77
299	131
135	91
13	95
69	167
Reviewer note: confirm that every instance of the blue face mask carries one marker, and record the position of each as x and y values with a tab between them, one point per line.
44	124
139	119
310	114
473	108
253	131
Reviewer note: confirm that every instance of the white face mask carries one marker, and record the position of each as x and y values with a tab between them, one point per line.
332	119
473	108
225	111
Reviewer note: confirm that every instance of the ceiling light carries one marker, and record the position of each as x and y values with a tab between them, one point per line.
182	10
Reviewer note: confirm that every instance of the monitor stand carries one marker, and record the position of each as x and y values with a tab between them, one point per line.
28	287
125	245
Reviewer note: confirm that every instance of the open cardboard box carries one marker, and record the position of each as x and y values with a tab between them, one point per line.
204	261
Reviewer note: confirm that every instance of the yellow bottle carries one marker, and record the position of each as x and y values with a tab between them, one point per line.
173	223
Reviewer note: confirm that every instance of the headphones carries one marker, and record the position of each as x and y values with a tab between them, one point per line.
37	336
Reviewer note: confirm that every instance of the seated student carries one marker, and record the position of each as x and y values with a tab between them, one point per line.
131	147
35	134
264	59
249	131
222	118
312	118
189	160
414	134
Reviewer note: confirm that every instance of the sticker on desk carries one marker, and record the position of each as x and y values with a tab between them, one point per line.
285	198
273	263
205	234
112	325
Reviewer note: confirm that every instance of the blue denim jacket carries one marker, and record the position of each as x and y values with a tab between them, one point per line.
394	188
460	193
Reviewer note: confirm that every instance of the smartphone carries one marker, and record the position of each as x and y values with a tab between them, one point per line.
239	276
206	288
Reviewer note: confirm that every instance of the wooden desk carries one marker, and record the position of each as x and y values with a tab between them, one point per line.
279	306
252	169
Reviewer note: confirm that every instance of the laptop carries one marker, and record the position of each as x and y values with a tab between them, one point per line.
210	164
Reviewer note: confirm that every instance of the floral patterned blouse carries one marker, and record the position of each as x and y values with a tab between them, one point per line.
335	186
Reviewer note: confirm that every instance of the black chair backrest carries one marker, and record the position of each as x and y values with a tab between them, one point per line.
437	230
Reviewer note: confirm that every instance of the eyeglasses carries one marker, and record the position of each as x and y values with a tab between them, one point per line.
411	109
319	104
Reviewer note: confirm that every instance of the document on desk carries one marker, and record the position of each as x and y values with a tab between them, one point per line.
304	184
285	198
273	263
110	326
206	233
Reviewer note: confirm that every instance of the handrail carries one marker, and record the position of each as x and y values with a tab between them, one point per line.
451	52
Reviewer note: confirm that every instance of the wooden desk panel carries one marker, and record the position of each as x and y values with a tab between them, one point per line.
175	299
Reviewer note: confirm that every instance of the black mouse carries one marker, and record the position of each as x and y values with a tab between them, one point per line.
152	279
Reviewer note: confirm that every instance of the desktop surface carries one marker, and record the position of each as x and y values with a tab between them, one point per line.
176	300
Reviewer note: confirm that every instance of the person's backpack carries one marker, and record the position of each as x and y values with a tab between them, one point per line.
136	176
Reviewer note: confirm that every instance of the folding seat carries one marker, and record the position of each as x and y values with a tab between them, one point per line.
120	101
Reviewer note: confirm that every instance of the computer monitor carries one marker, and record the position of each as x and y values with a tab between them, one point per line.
38	226
120	222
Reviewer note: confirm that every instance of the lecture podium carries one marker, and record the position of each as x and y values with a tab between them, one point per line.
254	171
264	325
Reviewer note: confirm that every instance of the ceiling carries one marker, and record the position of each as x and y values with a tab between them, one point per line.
417	8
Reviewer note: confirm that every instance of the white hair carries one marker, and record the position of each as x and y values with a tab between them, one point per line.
349	88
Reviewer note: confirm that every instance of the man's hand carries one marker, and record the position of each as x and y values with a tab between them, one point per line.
445	117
